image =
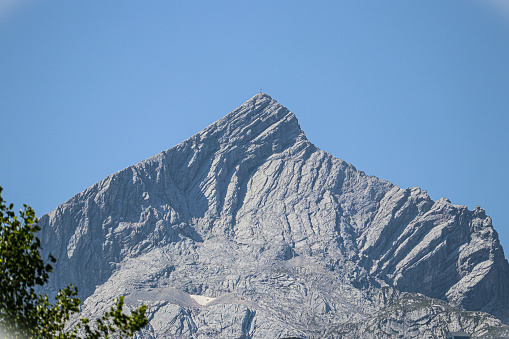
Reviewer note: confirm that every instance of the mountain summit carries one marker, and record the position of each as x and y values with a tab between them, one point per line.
247	230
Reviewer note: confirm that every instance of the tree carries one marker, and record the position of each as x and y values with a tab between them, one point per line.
26	314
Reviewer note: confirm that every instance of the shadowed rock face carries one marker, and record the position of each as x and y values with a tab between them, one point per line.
289	240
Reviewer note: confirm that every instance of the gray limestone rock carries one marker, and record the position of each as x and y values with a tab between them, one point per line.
247	230
412	315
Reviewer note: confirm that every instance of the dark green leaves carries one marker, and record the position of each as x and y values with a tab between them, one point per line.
25	314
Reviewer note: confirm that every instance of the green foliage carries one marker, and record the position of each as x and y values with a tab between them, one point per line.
114	323
25	314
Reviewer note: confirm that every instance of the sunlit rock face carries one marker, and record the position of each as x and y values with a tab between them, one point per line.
246	229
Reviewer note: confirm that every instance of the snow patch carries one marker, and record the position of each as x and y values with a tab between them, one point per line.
202	300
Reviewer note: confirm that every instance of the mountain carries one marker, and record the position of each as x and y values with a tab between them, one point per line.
247	230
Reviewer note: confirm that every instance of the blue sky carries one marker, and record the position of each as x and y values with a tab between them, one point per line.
415	92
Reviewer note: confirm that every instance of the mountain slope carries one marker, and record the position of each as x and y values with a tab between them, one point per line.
289	239
411	315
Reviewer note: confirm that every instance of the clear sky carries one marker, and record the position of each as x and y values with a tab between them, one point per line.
415	92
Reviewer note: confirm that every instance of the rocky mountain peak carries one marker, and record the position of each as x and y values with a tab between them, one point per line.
278	237
257	120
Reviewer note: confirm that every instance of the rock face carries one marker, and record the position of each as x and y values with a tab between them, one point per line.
247	230
411	315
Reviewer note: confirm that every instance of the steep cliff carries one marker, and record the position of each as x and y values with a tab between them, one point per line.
281	237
